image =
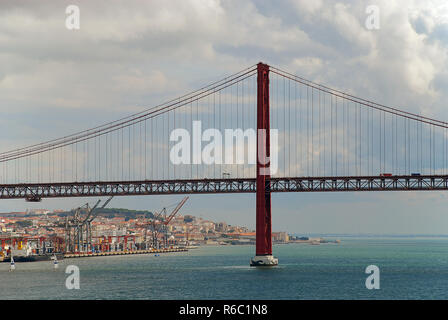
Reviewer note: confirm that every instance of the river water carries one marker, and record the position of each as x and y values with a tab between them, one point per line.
410	268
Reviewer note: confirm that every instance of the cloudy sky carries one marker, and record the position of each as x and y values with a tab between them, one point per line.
130	55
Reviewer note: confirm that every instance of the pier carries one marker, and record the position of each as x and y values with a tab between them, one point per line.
120	253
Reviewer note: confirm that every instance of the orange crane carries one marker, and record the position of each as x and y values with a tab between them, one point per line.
175	211
158	222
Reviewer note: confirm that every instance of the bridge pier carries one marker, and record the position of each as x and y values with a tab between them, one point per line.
263	252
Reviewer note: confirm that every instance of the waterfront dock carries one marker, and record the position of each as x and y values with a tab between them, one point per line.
120	253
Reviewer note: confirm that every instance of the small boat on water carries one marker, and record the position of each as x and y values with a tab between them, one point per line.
55	261
12	266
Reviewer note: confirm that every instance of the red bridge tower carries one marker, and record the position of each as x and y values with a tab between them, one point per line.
263	254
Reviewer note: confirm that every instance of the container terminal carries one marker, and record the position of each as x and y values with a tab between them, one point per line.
79	240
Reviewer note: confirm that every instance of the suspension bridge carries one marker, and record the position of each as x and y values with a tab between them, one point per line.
327	140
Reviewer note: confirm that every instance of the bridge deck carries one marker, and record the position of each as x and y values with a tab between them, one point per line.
35	192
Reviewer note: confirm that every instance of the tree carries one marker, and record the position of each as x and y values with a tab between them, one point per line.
24	223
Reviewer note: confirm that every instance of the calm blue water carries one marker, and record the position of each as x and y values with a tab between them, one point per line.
410	269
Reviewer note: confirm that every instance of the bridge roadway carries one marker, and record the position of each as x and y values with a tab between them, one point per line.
35	192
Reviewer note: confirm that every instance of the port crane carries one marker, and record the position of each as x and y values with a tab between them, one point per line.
77	226
91	215
160	222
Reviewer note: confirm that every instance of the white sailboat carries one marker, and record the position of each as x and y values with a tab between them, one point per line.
55	262
12	266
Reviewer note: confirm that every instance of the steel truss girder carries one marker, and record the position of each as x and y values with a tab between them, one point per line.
35	192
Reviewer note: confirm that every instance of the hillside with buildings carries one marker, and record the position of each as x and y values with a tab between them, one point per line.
115	223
